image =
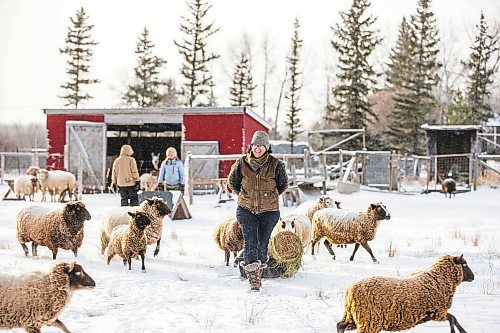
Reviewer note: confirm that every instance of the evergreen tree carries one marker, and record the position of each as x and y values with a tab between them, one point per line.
414	102
169	95
399	70
79	49
354	40
145	92
481	71
459	113
197	89
294	85
241	92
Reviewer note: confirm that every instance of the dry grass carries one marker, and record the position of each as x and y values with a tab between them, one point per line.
489	178
475	240
391	250
4	246
173	235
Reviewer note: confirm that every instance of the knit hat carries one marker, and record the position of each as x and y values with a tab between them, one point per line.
260	138
172	152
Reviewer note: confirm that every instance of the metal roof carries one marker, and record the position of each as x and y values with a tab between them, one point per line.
451	127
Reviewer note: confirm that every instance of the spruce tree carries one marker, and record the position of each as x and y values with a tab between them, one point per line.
354	40
414	103
146	91
79	49
294	85
399	70
480	71
459	112
197	89
241	91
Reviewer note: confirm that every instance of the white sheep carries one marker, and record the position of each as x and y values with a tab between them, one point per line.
25	186
229	238
37	298
128	241
378	303
57	182
297	223
59	228
308	208
149	181
154	207
348	227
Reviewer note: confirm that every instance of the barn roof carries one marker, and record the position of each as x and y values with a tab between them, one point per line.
161	112
428	127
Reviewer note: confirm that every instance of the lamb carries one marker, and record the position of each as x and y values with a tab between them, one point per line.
38	298
348	227
149	181
378	303
449	186
229	238
25	186
297	223
59	228
308	208
57	181
154	207
130	240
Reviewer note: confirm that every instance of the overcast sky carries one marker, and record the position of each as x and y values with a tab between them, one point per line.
32	31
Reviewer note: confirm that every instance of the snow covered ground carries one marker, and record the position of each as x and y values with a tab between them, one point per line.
188	288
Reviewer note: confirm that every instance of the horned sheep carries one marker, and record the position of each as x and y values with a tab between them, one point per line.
37	298
130	240
229	238
378	303
59	228
155	207
348	227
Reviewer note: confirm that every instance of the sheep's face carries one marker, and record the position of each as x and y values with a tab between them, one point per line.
287	224
468	276
141	219
78	279
43	174
326	201
159	205
78	210
381	211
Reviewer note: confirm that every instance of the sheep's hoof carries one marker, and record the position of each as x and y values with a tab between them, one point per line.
375	261
144	271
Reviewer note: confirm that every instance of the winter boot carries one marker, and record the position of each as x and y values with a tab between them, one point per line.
253	272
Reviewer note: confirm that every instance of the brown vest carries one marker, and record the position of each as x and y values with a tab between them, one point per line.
259	191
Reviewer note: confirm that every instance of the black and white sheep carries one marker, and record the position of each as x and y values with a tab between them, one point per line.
348	227
229	238
155	207
59	228
37	298
128	241
378	303
449	186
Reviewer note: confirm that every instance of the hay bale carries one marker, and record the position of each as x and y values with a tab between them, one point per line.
286	249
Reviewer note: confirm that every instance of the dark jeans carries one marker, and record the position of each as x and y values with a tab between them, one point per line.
256	229
128	195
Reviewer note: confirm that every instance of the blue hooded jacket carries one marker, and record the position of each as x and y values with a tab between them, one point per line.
172	172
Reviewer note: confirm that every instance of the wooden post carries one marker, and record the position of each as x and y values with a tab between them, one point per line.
363	167
427	179
435	172
341	163
471	170
2	168
325	172
190	177
398	172
391	172
294	175
475	172
306	163
80	176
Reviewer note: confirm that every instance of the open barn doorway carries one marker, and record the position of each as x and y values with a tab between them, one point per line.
149	142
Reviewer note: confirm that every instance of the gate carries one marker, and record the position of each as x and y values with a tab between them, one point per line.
85	152
202	169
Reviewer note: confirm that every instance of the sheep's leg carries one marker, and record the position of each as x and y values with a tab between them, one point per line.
453	322
33	249
329	248
356	247
227	254
367	248
54	253
36	329
235	254
59	324
129	260
25	249
75	251
143	267
157	250
313	244
104	241
342	326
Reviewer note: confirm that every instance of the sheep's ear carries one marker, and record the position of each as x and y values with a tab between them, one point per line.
321	199
458	260
68	268
150	200
373	206
131	214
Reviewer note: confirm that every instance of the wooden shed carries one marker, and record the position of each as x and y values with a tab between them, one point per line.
453	146
92	138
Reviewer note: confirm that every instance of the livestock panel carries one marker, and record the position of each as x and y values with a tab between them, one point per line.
202	169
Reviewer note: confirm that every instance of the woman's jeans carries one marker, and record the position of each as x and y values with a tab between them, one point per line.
256	229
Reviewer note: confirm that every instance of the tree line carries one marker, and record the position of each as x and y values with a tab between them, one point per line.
413	79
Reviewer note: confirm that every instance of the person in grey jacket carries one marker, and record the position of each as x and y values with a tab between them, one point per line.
258	178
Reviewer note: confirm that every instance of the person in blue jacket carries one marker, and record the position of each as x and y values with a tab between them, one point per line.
171	172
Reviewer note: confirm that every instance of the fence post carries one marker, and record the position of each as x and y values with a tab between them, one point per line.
341	163
476	171
435	172
391	172
306	163
80	176
364	157
325	172
2	168
190	177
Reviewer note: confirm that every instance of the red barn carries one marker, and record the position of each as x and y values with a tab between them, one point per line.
92	138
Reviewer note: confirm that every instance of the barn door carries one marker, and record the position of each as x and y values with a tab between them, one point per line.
86	142
202	169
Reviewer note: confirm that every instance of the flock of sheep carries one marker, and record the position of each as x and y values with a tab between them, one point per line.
376	303
371	305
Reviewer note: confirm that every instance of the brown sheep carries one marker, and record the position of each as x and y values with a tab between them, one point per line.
130	240
60	228
378	303
38	299
229	238
449	186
